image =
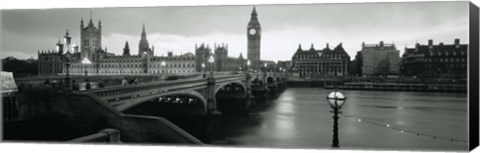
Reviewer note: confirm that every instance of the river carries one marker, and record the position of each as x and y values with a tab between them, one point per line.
380	120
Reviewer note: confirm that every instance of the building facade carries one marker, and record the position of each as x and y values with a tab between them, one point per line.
286	66
93	60
218	60
378	59
325	62
52	62
435	61
253	40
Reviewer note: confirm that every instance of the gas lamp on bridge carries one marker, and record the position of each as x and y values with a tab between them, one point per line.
336	100
211	60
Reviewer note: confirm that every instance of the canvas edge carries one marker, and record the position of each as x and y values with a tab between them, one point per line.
473	76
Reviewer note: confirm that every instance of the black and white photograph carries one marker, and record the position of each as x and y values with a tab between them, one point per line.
335	76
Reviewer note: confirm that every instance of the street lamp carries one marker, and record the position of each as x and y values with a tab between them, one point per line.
86	63
336	100
163	66
211	60
248	65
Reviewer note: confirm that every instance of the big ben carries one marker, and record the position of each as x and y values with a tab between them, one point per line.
253	40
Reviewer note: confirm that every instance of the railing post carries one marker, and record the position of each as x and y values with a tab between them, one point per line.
113	135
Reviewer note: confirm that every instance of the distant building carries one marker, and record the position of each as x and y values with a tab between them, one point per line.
378	59
267	65
356	65
436	61
220	59
324	62
93	60
52	62
285	65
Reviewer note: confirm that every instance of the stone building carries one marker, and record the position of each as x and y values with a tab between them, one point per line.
93	60
52	62
145	62
378	59
435	61
285	66
221	61
325	62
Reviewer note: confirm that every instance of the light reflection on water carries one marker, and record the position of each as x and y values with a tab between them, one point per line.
301	118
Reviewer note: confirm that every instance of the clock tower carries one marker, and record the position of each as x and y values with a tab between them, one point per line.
253	41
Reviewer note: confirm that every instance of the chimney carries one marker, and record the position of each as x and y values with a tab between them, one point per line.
457	41
381	43
430	42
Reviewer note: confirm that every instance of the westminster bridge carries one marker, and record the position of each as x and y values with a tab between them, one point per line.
170	111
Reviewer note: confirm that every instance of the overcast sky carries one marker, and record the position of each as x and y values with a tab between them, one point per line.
178	29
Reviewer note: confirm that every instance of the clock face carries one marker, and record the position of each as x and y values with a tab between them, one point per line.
252	31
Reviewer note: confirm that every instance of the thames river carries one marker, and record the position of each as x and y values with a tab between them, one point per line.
380	120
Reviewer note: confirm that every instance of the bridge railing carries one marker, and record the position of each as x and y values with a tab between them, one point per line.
158	129
118	95
132	128
105	135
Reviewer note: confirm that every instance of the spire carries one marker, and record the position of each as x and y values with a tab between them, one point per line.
144	34
311	47
90	23
126	49
254	19
143	45
254	14
254	11
81	23
67	34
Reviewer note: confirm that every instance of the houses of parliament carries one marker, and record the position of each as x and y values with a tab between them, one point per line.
91	59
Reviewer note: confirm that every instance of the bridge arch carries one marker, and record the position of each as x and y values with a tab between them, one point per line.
270	80
258	81
235	84
232	97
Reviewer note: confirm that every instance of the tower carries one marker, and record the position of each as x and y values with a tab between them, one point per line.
126	49
221	53
253	40
143	44
90	39
202	53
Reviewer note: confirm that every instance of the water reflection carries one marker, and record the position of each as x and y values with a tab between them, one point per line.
286	107
301	118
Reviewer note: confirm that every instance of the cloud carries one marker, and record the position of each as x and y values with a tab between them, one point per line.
178	29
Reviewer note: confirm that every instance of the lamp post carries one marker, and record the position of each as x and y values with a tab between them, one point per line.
86	63
248	65
336	100
67	79
163	67
211	61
